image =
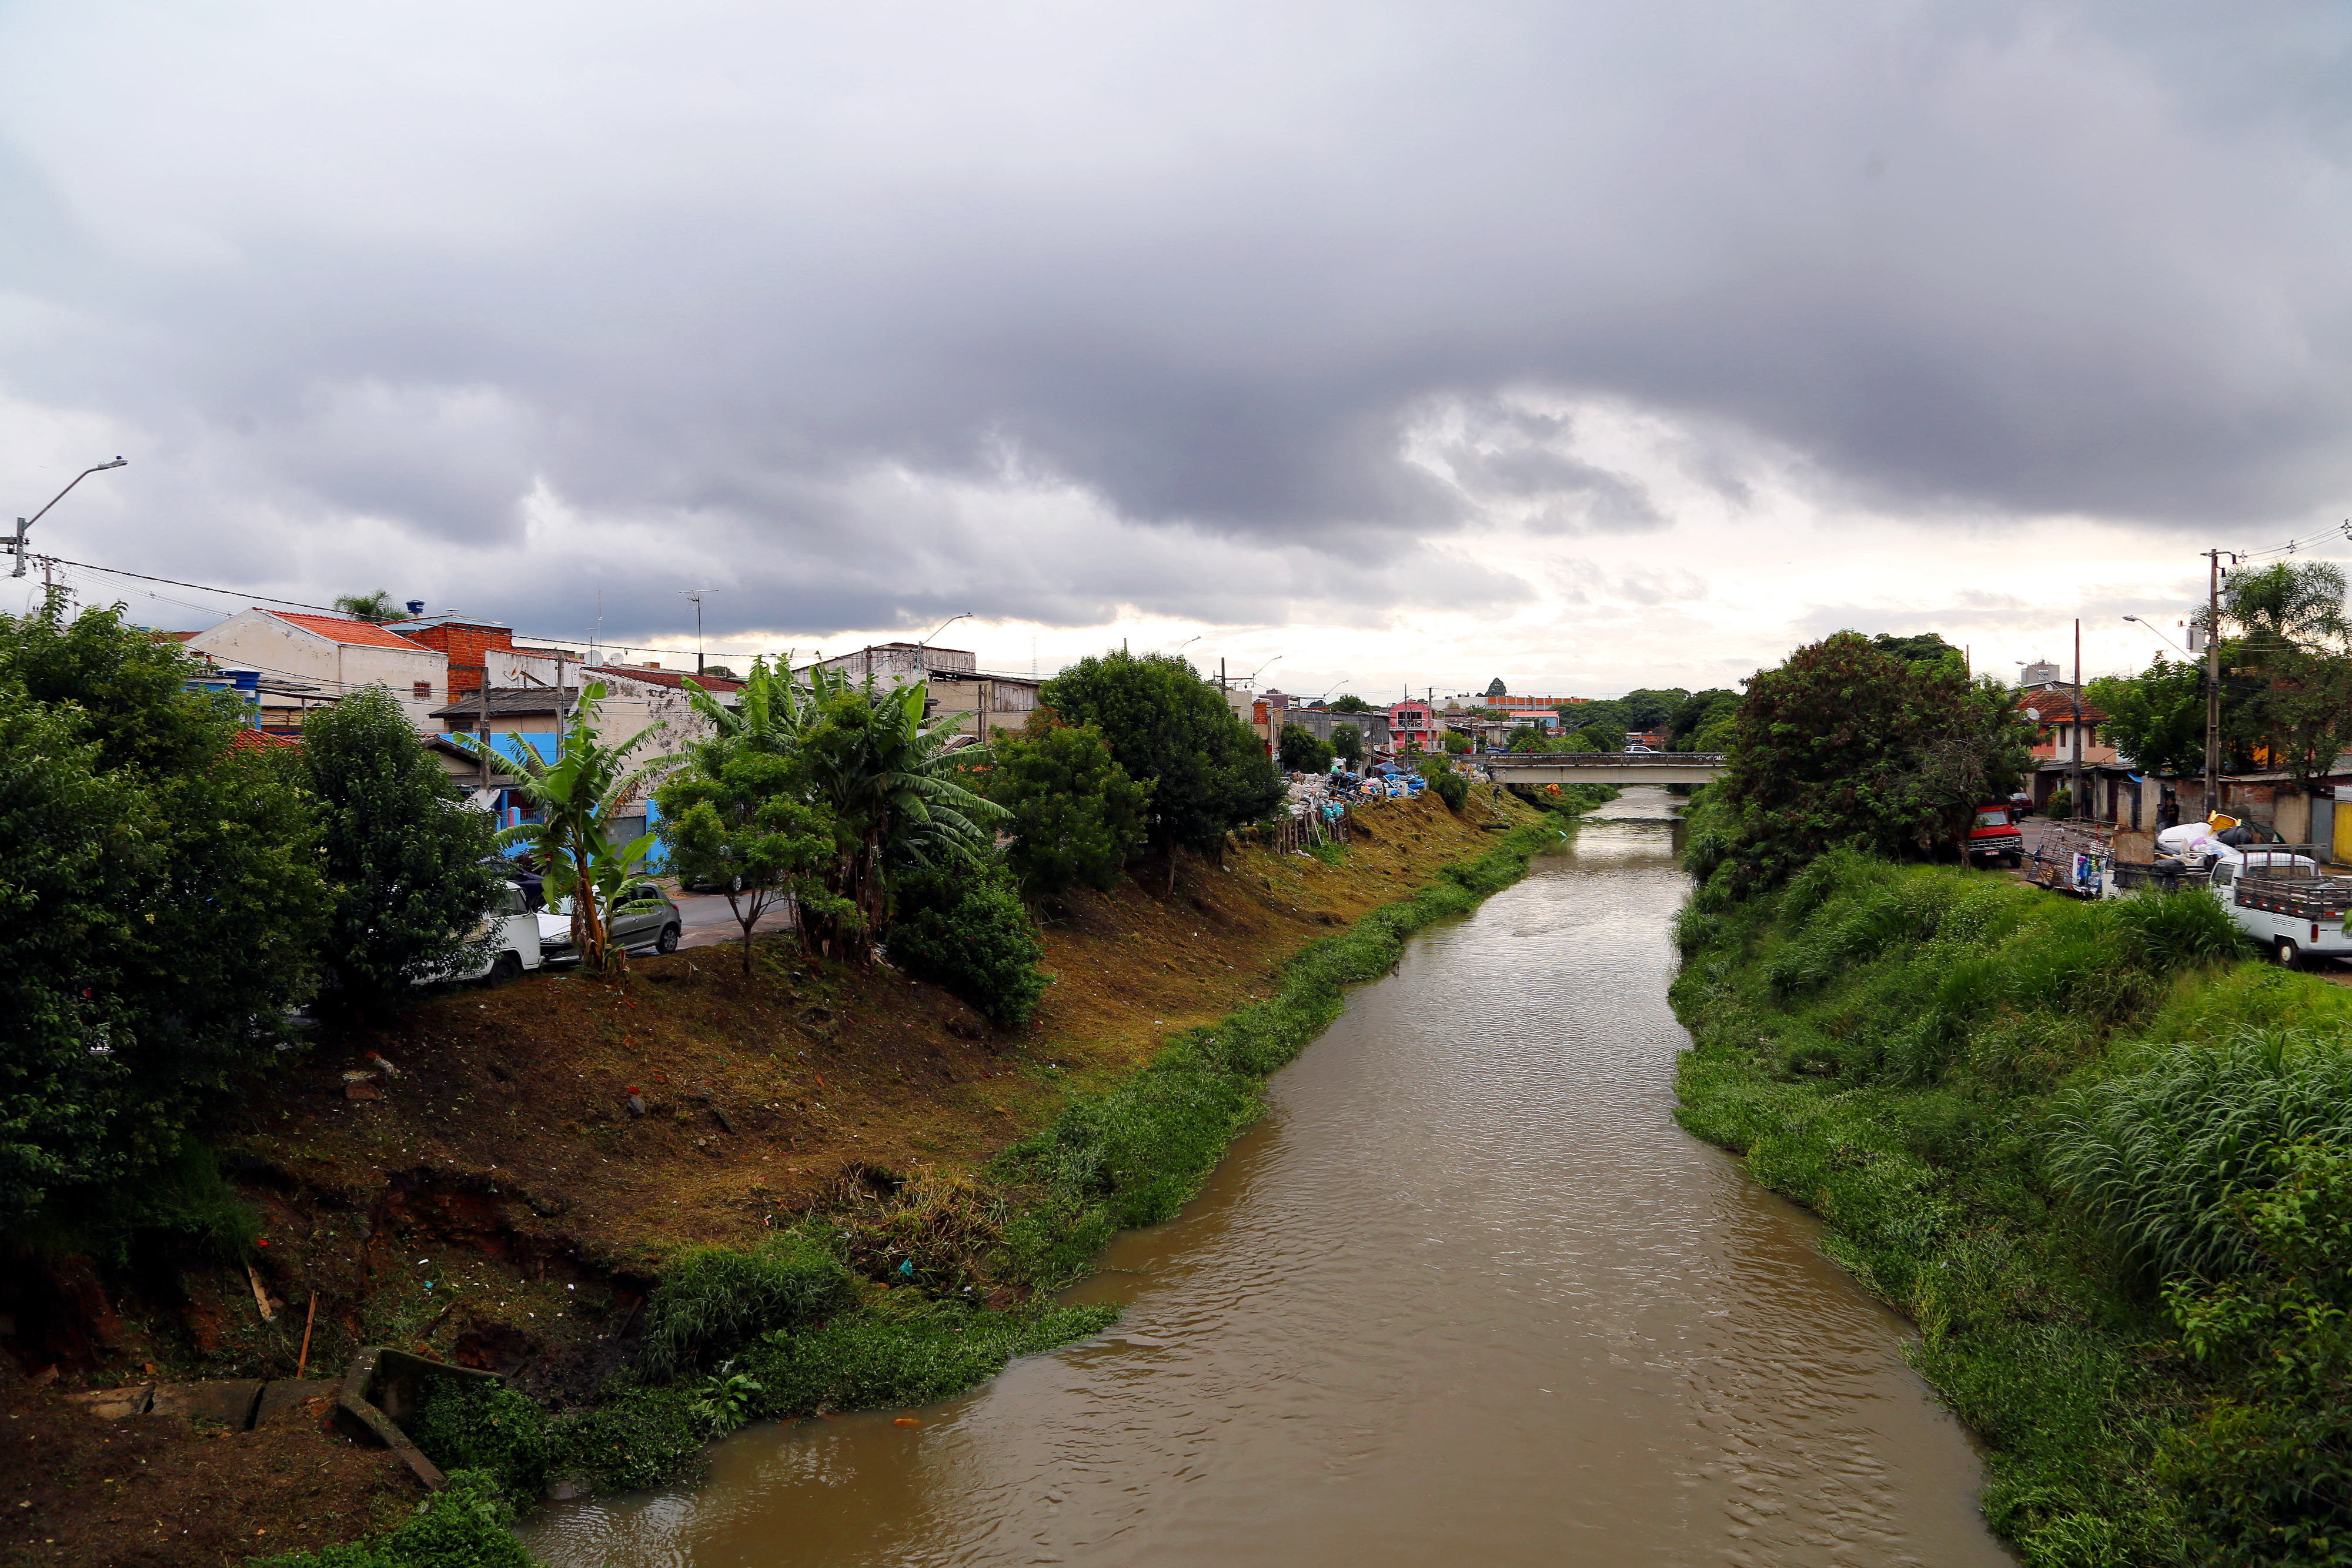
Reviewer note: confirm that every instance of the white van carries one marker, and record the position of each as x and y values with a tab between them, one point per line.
513	952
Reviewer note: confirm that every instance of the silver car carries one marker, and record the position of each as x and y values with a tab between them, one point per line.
641	920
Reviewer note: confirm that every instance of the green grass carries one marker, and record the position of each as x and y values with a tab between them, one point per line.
2036	1126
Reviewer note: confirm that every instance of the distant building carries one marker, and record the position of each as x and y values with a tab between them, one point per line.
1494	688
304	660
2040	672
957	685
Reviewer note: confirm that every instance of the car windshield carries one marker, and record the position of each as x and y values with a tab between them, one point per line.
561	906
1992	817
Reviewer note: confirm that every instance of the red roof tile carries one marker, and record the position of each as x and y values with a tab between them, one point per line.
343	629
260	740
2056	705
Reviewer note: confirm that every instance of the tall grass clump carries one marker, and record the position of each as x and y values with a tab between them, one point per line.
715	1298
2166	1153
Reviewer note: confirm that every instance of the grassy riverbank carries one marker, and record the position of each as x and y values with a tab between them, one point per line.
2100	1159
844	1191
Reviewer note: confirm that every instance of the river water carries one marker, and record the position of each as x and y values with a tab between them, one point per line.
1467	1295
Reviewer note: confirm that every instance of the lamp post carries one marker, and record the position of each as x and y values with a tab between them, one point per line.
696	594
16	545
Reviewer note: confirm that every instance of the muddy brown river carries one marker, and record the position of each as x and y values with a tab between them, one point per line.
1467	1295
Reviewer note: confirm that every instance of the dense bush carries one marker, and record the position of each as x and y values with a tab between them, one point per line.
1076	815
715	1298
967	932
400	848
487	1427
161	903
2124	1258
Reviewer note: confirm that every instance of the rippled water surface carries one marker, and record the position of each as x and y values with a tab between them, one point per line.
1467	1295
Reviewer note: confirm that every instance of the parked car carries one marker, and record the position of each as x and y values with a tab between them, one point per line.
1995	835
516	950
643	919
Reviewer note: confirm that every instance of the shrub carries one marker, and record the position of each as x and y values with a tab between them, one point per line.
716	1298
638	1437
488	1427
967	933
2061	806
927	1353
464	1525
1077	816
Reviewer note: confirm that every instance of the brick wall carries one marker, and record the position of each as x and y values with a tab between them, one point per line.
467	646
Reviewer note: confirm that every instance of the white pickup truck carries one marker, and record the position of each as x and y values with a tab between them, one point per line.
2278	894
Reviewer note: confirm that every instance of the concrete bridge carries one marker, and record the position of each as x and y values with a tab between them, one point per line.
1604	766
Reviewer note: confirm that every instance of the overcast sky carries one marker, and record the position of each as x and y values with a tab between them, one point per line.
1589	345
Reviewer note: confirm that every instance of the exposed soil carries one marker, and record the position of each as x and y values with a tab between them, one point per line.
159	1491
532	1155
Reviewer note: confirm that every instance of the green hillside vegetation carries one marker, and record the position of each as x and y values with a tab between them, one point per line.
2102	1159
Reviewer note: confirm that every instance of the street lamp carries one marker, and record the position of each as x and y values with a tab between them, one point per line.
17	547
942	626
2177	647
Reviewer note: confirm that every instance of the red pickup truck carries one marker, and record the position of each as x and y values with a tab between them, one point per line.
1994	837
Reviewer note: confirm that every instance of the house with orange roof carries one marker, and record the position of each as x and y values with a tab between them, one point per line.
312	659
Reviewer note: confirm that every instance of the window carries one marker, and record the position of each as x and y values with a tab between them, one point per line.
422	690
1994	817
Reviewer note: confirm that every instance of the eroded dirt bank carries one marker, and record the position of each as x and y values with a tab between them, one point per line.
533	1155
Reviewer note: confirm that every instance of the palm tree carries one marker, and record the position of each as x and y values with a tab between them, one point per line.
577	796
377	607
883	771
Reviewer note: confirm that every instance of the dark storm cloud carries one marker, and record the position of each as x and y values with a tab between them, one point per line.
1183	282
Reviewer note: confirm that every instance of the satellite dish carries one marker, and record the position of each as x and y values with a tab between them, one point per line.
2034	713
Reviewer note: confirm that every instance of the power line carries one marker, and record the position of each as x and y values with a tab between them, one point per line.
330	610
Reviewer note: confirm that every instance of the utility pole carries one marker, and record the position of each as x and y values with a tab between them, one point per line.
2213	678
696	594
2080	805
483	703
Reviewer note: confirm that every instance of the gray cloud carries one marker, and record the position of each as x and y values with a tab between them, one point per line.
365	287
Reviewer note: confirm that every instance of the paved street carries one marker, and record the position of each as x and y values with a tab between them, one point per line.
706	920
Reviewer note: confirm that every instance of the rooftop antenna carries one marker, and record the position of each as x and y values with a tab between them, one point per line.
696	594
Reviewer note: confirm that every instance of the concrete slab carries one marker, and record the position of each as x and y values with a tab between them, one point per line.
228	1403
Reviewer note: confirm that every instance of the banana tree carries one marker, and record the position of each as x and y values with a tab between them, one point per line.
576	797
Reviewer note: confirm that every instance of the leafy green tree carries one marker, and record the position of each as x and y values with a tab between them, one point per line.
1351	703
400	848
1926	648
577	798
1702	721
739	815
1302	751
1848	744
1348	744
887	777
1647	710
1074	815
1595	739
378	607
2297	649
1208	773
161	900
1454	744
2157	718
966	931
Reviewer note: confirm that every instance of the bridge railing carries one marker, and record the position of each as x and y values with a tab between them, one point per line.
1693	760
